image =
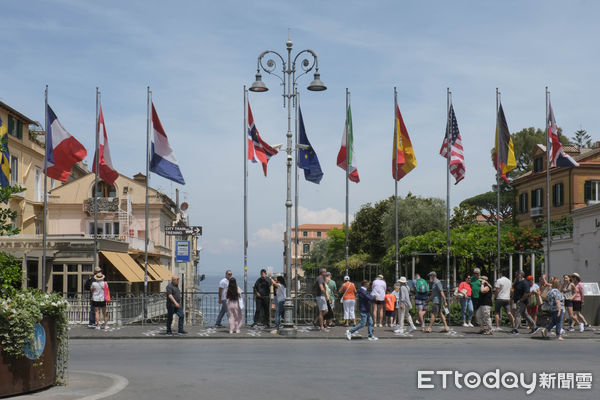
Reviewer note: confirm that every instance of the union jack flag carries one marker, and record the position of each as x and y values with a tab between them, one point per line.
558	157
258	149
457	158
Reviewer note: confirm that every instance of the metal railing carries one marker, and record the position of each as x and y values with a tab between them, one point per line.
201	308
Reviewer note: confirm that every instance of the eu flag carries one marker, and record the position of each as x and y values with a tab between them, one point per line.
307	158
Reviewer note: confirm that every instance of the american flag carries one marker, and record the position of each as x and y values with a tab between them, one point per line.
457	159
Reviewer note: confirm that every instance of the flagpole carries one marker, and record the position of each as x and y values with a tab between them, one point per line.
44	233
347	173
548	164
448	157
245	204
497	184
96	167
396	180
147	208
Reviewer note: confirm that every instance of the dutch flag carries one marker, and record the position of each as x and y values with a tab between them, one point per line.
162	161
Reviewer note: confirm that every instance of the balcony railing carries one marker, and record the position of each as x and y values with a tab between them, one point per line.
105	205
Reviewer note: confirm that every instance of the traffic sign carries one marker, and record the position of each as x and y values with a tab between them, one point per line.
182	251
183	230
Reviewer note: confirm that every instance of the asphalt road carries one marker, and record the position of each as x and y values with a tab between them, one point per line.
329	369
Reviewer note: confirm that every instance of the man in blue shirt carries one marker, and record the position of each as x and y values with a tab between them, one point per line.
364	306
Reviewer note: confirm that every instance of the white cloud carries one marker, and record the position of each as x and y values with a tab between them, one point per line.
221	246
267	236
326	216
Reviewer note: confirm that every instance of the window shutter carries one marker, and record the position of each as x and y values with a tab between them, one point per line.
11	125
532	198
587	191
541	197
525	202
19	130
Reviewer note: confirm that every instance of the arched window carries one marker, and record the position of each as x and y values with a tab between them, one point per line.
104	190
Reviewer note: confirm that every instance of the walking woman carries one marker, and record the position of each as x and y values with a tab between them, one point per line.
466	304
348	292
235	304
568	291
99	288
578	302
279	285
557	309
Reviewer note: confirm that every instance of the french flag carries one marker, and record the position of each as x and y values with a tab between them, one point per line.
162	161
106	170
258	149
62	150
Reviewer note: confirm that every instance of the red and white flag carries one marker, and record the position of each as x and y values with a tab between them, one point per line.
258	149
106	171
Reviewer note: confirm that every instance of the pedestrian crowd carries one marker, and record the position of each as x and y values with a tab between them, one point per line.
560	301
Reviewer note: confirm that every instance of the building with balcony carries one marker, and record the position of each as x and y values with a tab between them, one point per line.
571	188
71	247
309	234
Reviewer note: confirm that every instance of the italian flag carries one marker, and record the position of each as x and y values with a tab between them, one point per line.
345	158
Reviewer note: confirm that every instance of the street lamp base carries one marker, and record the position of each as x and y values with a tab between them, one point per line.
288	328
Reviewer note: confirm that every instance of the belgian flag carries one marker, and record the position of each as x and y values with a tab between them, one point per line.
503	147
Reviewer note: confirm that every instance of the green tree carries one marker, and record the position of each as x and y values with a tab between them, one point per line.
581	138
366	235
6	214
416	215
463	215
11	274
486	203
327	252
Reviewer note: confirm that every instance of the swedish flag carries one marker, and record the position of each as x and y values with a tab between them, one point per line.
4	156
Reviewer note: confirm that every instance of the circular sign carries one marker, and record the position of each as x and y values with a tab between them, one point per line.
34	348
184	206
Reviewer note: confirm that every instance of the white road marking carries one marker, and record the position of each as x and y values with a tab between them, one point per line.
119	383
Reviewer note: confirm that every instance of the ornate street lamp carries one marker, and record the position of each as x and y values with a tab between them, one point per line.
288	81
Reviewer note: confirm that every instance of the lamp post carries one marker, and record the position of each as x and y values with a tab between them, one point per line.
288	82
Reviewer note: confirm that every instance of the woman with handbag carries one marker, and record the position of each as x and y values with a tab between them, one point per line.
235	304
348	300
100	295
463	293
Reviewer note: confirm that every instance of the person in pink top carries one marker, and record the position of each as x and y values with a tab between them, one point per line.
466	304
578	303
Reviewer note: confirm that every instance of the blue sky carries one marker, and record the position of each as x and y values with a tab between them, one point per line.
197	55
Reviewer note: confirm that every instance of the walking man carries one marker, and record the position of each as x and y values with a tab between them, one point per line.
320	293
438	298
521	297
364	306
262	291
174	306
223	285
421	298
502	295
404	306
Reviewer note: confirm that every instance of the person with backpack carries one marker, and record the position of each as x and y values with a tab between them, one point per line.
475	289
421	298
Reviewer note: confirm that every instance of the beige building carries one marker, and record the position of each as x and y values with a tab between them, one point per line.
70	224
26	148
571	188
309	234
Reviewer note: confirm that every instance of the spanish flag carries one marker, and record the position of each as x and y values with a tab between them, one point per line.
403	157
506	150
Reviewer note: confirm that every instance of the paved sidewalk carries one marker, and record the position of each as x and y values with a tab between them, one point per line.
305	332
